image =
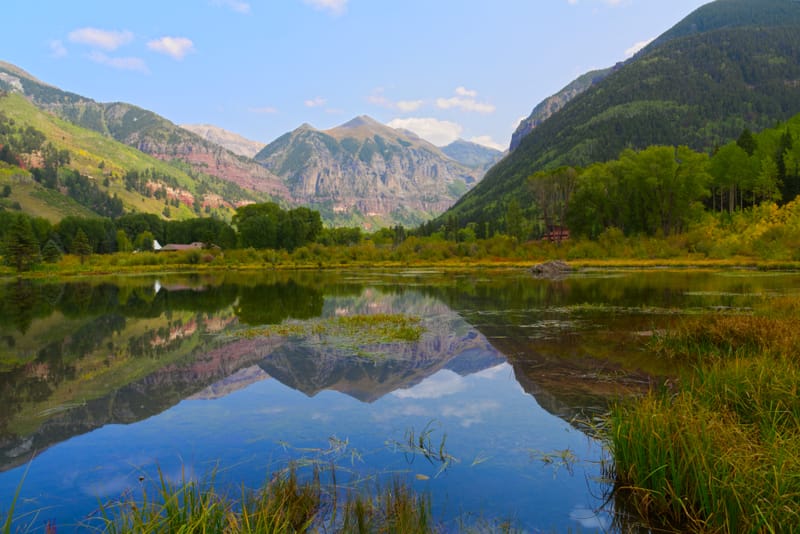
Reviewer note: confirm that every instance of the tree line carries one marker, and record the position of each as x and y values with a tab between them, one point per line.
28	240
660	190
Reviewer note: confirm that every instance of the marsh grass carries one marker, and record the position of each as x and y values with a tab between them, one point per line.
284	505
722	452
393	509
353	333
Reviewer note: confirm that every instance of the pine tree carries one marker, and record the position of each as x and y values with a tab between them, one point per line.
51	253
81	245
21	247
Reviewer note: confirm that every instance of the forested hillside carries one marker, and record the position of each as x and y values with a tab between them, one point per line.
697	88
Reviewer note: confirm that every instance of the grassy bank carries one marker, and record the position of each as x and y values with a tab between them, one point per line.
367	257
719	452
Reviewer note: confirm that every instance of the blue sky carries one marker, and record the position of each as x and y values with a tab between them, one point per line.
445	68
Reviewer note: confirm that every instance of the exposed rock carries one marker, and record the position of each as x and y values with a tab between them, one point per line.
554	103
232	141
364	169
551	269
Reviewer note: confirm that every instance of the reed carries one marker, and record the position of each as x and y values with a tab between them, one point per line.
284	505
393	510
722	452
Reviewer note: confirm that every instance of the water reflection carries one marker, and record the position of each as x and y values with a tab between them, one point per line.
118	376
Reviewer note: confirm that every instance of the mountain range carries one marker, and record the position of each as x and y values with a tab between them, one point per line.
364	167
730	65
361	172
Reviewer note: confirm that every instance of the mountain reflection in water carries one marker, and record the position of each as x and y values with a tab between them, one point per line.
104	379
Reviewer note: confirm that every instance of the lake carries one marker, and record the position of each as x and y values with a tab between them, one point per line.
107	382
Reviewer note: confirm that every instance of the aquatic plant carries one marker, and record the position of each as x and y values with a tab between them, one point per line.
283	505
361	335
721	453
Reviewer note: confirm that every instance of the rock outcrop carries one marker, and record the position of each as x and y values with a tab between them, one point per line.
364	170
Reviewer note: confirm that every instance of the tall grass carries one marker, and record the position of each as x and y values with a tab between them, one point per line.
722	453
283	505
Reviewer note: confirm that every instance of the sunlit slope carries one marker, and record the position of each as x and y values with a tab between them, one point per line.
93	155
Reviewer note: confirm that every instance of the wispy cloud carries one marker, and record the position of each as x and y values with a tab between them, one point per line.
121	63
336	7
463	91
105	39
465	100
435	131
406	106
315	102
442	384
263	111
234	5
175	47
630	52
57	49
471	413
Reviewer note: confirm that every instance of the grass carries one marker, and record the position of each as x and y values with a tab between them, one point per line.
360	334
720	452
284	505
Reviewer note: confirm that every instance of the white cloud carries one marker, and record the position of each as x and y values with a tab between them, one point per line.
315	102
486	140
440	133
470	414
589	518
336	7
57	49
406	106
234	5
379	99
263	111
440	385
107	40
120	63
636	47
463	91
175	47
465	100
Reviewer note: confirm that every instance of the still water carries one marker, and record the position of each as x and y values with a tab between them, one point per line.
106	382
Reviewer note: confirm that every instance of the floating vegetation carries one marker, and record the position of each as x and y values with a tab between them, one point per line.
557	459
353	333
421	444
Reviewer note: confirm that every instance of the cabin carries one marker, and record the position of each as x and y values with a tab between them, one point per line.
173	247
557	234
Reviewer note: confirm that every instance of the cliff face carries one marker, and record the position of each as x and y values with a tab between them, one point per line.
234	142
364	169
554	103
157	137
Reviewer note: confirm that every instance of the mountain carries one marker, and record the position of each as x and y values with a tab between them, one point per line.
232	141
109	170
554	103
472	155
367	173
146	131
730	65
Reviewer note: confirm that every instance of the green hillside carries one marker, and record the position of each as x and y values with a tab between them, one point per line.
699	87
107	163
